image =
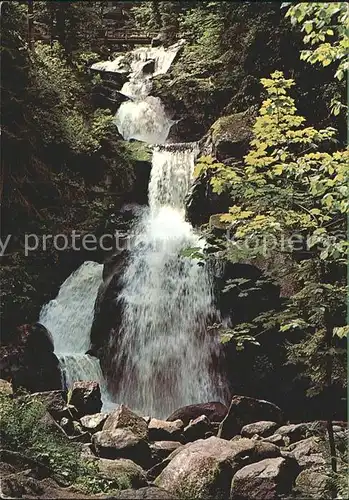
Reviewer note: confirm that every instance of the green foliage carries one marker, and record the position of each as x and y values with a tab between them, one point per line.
24	430
293	183
326	28
59	85
91	481
59	154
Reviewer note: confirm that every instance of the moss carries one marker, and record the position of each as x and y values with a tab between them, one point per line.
236	125
138	151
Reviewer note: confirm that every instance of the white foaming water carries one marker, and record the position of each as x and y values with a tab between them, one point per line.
119	65
165	351
144	120
144	117
69	318
171	174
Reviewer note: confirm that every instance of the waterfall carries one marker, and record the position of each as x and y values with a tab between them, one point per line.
165	351
143	120
143	117
69	318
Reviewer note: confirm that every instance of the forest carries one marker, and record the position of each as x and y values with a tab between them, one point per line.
174	250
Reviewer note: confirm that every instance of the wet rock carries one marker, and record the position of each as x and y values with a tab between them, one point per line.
294	432
86	397
197	429
19	485
161	430
124	418
87	453
267	479
243	411
122	443
147	493
127	472
202	202
55	402
310	452
214	411
276	439
162	449
204	469
313	484
264	428
29	361
5	387
93	423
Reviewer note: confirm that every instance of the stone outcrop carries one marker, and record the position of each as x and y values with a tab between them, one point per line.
264	428
29	361
267	479
243	411
86	397
122	443
214	411
93	423
197	429
124	418
205	468
122	468
230	135
160	430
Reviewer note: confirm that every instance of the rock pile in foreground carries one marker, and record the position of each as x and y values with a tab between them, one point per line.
203	451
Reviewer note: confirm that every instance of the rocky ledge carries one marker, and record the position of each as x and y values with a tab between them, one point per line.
204	451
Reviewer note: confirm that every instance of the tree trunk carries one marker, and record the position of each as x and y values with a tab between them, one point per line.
30	24
328	402
60	23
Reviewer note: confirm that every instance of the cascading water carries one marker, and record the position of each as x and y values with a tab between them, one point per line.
143	117
165	351
143	120
69	318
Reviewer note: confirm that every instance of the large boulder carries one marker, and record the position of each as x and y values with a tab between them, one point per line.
161	430
122	443
296	432
86	397
204	469
230	135
55	403
197	429
267	479
5	387
310	452
124	418
29	361
93	423
265	428
315	484
147	493
125	472
243	411
214	411
162	449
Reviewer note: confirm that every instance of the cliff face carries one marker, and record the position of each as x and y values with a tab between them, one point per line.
256	40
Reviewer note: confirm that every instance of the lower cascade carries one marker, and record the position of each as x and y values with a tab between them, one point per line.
69	318
164	354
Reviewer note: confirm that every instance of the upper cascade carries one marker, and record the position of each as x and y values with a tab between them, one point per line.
144	120
142	117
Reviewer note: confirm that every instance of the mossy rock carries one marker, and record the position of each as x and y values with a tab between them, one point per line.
231	135
138	151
